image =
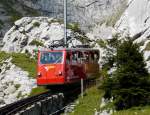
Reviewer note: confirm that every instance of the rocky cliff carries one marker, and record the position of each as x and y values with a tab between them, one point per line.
135	21
88	13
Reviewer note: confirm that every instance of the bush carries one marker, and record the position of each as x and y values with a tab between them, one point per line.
101	43
36	24
130	84
37	43
74	26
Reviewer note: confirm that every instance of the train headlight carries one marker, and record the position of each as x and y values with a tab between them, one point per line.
60	73
39	74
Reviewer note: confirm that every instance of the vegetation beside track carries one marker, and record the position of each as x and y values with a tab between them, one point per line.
90	102
38	90
134	111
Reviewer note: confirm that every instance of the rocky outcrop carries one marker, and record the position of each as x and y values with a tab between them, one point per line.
30	33
88	13
14	83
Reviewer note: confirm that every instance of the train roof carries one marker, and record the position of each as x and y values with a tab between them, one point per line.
70	49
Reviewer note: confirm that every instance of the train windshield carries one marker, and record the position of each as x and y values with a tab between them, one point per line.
51	57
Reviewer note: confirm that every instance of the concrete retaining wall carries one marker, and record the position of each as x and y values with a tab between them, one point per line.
45	107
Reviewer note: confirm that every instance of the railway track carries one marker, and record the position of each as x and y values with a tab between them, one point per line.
21	104
69	95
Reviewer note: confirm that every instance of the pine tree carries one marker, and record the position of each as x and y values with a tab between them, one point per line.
130	84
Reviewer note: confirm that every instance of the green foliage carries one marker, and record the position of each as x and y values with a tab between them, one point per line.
147	48
15	15
4	56
38	90
130	83
21	60
56	21
25	62
110	50
17	86
37	43
30	11
101	43
74	26
36	24
19	94
90	102
134	111
83	39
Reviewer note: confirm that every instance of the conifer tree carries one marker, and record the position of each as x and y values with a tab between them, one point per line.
130	84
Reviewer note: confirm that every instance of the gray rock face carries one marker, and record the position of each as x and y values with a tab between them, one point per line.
30	33
136	22
86	12
10	89
14	83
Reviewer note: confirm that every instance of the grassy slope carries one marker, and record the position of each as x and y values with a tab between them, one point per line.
27	64
135	111
92	100
89	103
21	60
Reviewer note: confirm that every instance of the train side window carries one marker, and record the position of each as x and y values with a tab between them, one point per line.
92	57
96	56
86	57
80	57
68	58
74	57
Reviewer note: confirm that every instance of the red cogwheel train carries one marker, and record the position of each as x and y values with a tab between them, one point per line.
67	65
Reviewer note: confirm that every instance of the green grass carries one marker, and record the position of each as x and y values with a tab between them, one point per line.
134	111
4	56
38	90
89	103
21	60
25	62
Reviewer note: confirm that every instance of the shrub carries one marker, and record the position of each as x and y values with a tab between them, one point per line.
101	43
130	83
37	43
36	24
74	26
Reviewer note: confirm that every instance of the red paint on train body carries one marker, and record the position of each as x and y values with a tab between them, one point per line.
66	66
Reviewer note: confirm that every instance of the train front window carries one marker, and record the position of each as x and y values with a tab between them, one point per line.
51	57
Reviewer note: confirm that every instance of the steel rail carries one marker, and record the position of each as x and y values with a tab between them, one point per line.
21	104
